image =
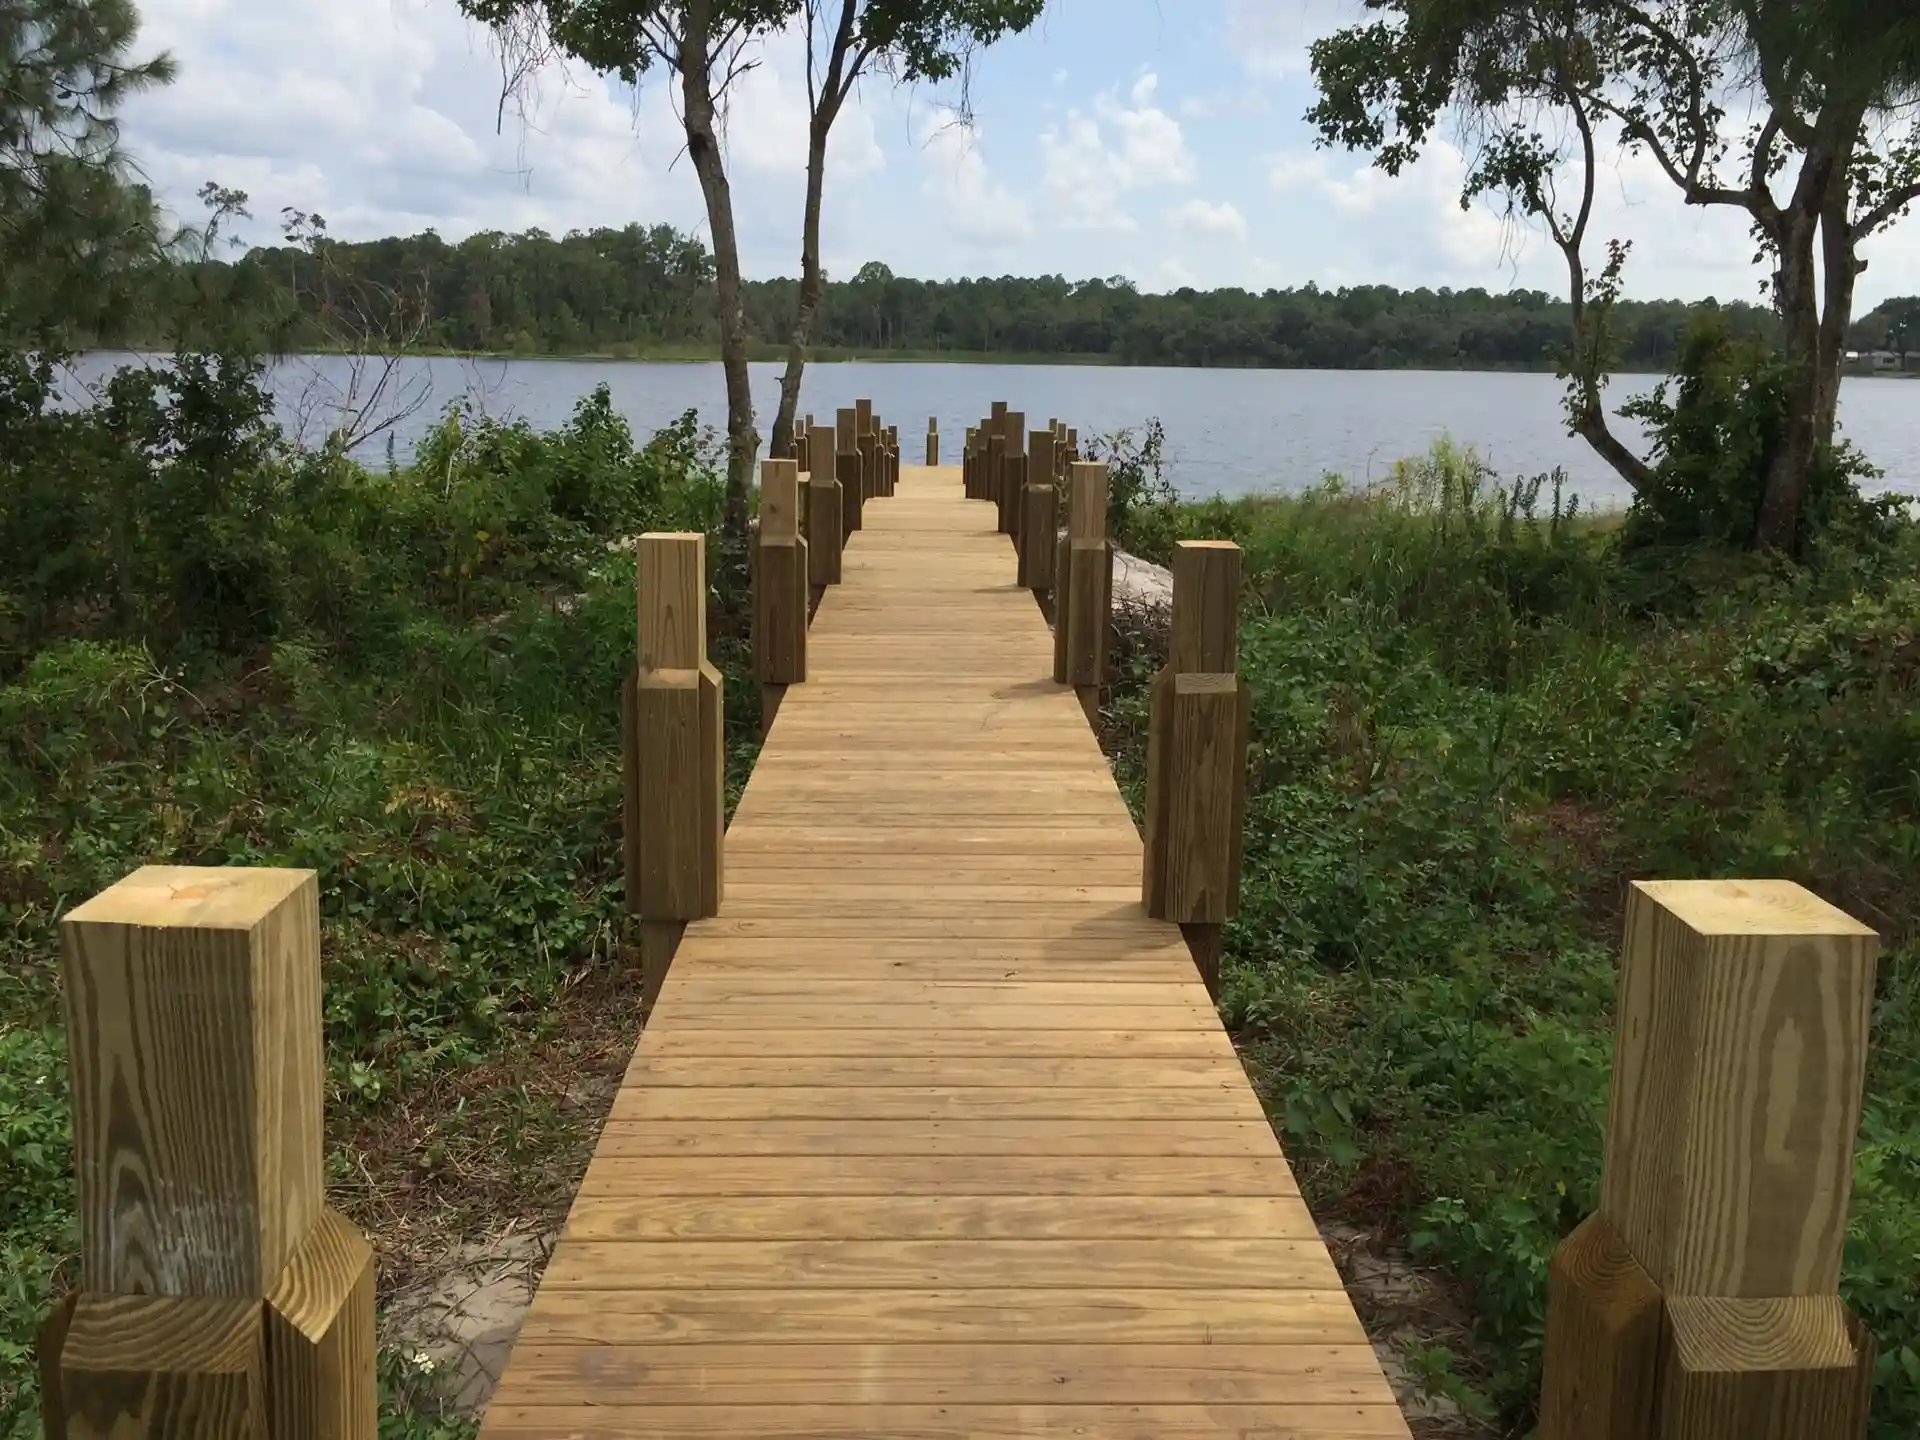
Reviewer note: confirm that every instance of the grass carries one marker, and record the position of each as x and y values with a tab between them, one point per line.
421	704
1475	719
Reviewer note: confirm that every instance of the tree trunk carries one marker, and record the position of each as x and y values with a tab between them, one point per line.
1786	480
1812	349
812	283
703	145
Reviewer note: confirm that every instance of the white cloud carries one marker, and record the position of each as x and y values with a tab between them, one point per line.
975	207
1197	217
1243	104
1093	161
1270	37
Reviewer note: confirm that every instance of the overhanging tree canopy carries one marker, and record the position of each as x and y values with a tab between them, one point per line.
1800	115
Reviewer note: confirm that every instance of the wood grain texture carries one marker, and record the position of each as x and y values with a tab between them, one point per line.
140	1366
193	1020
781	580
853	497
1206	607
826	538
672	601
48	1343
1603	1340
943	1421
320	1343
1740	1060
1780	1369
932	1130
1039	538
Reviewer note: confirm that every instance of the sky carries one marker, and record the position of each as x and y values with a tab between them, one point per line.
1162	140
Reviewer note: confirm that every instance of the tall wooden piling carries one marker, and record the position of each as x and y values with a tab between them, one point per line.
219	1296
1011	477
933	440
826	536
781	582
1197	756
676	800
847	470
1701	1302
1037	524
1083	589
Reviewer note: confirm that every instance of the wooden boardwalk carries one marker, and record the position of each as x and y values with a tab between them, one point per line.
932	1133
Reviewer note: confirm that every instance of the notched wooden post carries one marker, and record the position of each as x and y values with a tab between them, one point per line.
1702	1301
825	531
847	470
1012	477
933	440
219	1296
1083	588
679	817
781	582
1197	756
1037	525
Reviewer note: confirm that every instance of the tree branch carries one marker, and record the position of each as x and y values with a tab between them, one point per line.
1887	210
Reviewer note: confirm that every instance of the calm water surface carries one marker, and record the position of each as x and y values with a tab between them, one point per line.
1228	431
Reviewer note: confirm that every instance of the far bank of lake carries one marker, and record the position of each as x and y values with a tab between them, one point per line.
1228	430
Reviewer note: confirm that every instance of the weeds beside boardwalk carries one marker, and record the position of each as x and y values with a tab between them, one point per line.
220	652
1472	726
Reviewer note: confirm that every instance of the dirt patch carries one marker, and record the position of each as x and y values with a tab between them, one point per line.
1407	1311
459	1325
461	1182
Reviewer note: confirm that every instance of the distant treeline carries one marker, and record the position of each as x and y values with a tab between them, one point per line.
648	289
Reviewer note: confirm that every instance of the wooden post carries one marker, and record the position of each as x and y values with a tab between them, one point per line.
847	470
678	818
846	431
1197	756
1012	475
893	459
933	440
869	464
1701	1302
780	589
1036	523
219	1296
1083	589
991	466
862	418
825	533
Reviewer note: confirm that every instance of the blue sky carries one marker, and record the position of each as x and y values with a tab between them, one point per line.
1162	141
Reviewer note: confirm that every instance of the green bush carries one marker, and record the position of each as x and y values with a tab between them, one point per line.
221	651
1468	733
1715	429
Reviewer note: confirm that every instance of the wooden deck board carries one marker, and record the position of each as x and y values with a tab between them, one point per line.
932	1133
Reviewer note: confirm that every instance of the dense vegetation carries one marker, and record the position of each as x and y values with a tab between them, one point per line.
215	650
649	290
1475	719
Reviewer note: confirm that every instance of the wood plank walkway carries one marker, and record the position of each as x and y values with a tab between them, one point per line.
932	1133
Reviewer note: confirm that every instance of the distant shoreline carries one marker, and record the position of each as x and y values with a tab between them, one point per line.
767	355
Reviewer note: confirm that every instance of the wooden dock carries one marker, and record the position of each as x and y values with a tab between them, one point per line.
932	1132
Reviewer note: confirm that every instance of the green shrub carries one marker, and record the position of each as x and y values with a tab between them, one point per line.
1469	731
406	680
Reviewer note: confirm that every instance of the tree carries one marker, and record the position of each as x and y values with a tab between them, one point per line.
1536	89
72	223
911	40
708	44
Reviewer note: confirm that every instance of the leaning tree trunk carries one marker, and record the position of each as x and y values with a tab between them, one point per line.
1812	354
703	145
812	284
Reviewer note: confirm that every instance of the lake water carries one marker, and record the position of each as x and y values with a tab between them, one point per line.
1228	431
